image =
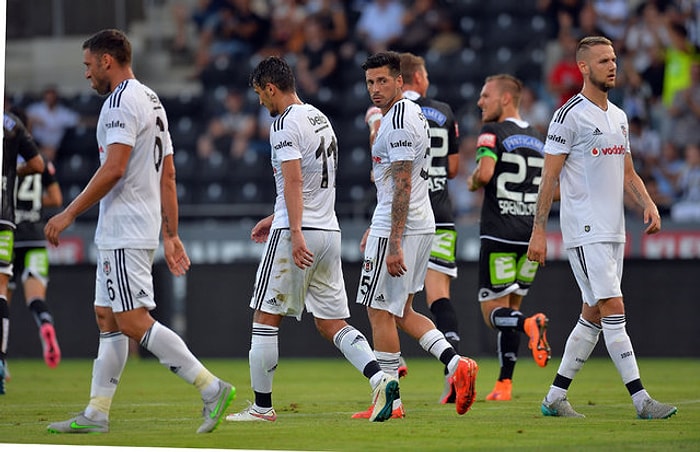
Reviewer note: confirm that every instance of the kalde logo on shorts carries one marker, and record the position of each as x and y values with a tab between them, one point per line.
617	149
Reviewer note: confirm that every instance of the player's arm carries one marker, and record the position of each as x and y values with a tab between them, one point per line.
104	179
175	254
32	166
553	164
401	172
483	172
634	186
52	196
293	198
373	118
453	148
486	158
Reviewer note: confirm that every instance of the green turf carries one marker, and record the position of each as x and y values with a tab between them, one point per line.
315	398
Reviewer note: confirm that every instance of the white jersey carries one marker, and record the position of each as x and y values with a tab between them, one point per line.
130	213
402	136
303	133
592	179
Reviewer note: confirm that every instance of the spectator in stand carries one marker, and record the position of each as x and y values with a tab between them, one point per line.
644	36
333	18
421	21
612	17
680	56
286	33
534	111
48	121
198	15
562	14
380	25
645	144
232	128
685	111
565	79
667	170
317	63
687	208
235	31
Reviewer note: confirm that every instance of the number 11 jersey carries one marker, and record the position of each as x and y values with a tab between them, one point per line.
303	132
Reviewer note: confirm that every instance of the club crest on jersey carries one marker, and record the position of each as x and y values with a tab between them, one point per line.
368	265
623	128
106	267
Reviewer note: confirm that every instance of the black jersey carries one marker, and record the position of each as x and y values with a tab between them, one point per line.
443	142
510	196
29	216
16	141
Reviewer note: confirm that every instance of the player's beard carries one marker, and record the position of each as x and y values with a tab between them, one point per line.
494	116
602	84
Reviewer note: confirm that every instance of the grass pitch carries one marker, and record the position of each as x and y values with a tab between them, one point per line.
314	399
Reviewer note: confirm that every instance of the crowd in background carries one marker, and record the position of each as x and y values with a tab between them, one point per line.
657	44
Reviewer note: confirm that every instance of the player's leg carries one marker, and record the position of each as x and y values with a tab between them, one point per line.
131	281
442	267
35	276
107	368
606	282
6	247
462	370
580	343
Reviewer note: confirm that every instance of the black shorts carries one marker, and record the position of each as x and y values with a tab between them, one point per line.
503	269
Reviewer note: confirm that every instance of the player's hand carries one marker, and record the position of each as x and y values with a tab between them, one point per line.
363	241
395	264
652	219
537	249
57	224
176	256
303	257
261	230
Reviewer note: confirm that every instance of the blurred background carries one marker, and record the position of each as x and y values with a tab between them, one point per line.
197	55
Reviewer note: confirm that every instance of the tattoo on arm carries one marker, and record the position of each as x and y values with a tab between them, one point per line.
401	175
544	200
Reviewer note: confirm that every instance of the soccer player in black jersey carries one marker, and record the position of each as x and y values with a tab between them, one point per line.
16	141
509	165
444	164
31	259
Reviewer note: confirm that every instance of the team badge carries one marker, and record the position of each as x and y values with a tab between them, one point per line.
106	267
623	128
368	265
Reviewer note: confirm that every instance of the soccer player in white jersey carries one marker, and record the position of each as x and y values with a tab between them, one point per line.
587	153
301	264
135	186
398	242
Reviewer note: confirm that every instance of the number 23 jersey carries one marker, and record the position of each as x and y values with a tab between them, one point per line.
303	133
510	196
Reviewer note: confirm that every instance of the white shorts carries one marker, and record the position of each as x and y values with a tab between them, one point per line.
597	268
282	288
378	289
124	281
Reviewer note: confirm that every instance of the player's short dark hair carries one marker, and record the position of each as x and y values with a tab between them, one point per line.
273	70
588	42
392	60
110	42
410	64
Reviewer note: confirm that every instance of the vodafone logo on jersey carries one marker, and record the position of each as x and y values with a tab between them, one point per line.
618	149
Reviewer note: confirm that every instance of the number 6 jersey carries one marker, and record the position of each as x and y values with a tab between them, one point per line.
510	196
130	213
303	132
